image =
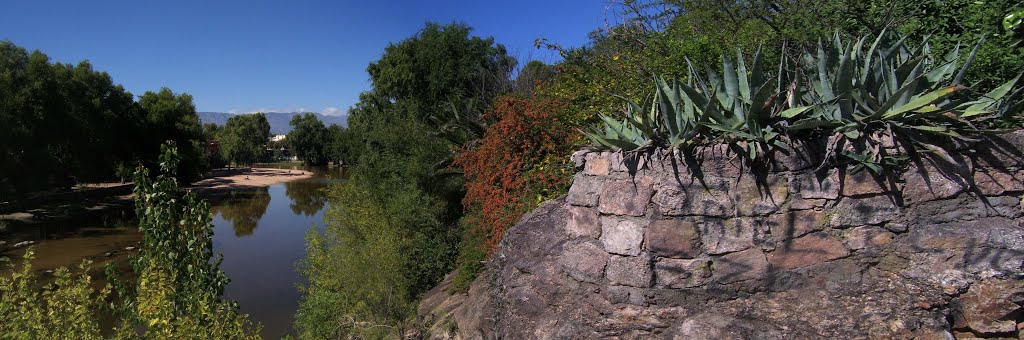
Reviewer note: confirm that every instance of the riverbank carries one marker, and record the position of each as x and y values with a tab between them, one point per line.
215	187
58	219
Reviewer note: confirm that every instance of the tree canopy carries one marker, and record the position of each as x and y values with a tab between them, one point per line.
308	138
245	137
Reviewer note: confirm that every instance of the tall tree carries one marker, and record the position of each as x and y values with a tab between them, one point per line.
245	137
439	65
173	117
308	138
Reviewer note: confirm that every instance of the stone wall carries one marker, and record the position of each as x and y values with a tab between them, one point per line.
703	248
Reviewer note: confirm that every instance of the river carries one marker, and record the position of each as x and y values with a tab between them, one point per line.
261	233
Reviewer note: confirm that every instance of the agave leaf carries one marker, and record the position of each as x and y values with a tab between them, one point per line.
844	84
612	142
970	60
866	69
809	123
668	109
699	100
762	105
822	83
894	99
930	128
1002	90
938	152
921	100
756	71
793	112
741	77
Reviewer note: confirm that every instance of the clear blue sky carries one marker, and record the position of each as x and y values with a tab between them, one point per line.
244	56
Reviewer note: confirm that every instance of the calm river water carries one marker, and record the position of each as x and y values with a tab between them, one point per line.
261	233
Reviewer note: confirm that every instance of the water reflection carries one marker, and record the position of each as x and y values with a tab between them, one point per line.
305	196
244	209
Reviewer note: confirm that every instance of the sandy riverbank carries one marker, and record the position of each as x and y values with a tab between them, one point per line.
255	178
210	189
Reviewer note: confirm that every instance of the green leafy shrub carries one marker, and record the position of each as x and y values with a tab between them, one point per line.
176	295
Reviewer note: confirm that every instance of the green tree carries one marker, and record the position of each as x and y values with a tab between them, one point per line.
172	117
393	226
62	123
438	65
245	137
308	139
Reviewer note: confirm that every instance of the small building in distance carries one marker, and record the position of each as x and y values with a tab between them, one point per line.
277	138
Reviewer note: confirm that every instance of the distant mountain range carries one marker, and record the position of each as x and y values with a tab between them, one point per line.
278	120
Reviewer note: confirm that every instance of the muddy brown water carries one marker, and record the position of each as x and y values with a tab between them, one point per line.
261	233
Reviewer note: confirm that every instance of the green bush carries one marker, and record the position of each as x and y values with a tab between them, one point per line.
177	292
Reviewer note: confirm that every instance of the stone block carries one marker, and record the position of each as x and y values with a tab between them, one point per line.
760	197
868	237
817	186
597	164
795	223
807	251
990	306
678	238
994	182
626	197
726	236
582	222
623	237
719	160
797	203
932	184
585	191
708	196
627	295
678	274
584	261
740	266
872	210
633	271
860	183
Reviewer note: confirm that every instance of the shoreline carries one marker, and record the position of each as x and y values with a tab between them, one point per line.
211	189
30	225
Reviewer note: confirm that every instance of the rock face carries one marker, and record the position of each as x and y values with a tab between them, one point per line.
670	247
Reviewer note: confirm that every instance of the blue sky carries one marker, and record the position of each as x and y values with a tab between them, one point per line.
244	56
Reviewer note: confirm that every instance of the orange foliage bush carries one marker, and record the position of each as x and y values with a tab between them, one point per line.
521	161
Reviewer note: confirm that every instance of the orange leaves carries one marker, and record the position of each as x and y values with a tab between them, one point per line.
522	155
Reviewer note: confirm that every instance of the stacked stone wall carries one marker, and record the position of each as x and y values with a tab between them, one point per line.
702	247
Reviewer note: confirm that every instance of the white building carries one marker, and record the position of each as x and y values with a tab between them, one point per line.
277	138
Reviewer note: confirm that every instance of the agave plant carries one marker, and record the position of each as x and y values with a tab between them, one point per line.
742	109
738	107
889	92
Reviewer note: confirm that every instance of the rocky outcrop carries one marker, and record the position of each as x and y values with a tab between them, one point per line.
666	246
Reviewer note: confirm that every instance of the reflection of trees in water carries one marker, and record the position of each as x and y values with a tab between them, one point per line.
307	199
244	209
